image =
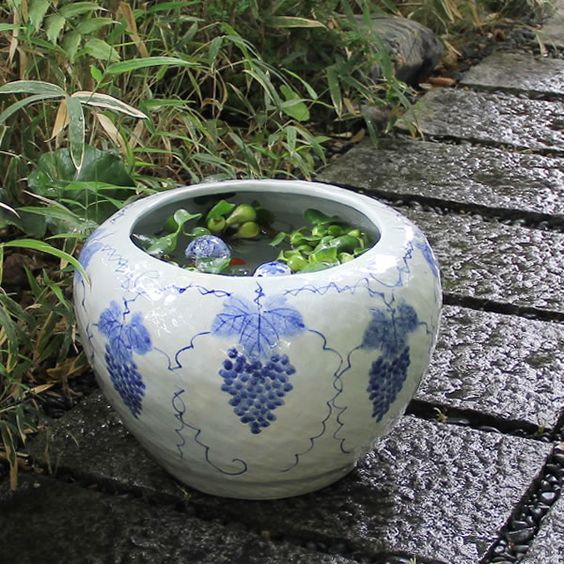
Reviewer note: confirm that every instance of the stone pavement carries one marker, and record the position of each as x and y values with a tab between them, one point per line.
474	470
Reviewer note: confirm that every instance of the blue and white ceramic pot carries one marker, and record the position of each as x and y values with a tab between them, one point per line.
259	387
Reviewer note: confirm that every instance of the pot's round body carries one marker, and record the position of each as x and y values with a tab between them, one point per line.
259	387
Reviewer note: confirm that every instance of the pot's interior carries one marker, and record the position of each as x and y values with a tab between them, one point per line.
287	208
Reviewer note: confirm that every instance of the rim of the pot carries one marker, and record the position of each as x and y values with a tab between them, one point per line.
376	212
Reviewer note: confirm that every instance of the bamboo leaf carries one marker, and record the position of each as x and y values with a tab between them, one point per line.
335	89
145	62
31	87
291	21
106	101
22	103
76	131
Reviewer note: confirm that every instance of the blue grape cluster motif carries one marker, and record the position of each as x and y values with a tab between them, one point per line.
257	388
254	374
123	340
388	332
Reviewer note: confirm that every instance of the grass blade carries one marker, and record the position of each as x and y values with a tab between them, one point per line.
43	247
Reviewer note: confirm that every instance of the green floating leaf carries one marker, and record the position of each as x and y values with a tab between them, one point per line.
279	238
221	209
163	245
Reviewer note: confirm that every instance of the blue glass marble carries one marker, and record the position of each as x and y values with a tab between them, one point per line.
273	268
207	246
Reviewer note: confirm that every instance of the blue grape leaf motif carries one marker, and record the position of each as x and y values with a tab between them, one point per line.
258	327
422	244
124	339
254	374
388	331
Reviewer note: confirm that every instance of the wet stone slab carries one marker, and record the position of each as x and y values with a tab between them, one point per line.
548	545
432	491
500	365
46	520
454	173
497	119
518	72
495	262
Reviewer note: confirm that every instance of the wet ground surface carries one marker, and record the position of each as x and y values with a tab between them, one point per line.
473	473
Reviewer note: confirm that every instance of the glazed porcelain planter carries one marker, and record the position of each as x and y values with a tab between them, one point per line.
259	387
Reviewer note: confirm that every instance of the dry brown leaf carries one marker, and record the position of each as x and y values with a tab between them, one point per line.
112	132
41	388
358	136
69	368
442	81
137	134
127	12
14	39
61	120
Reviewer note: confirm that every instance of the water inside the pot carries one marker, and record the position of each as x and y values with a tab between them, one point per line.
286	215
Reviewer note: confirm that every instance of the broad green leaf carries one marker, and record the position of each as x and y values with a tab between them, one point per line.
32	87
22	103
109	102
100	50
96	73
43	247
90	25
291	21
77	131
294	106
37	11
71	42
76	8
145	62
54	26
